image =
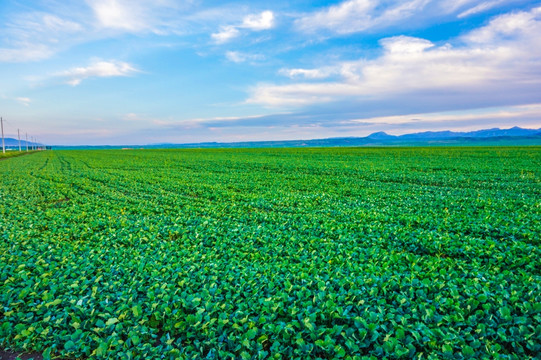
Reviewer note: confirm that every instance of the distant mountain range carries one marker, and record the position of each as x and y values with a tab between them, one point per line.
486	137
487	133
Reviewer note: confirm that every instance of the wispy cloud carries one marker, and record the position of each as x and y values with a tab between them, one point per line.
225	34
522	27
308	73
36	36
252	22
25	52
354	16
484	6
21	100
513	112
358	15
505	52
240	57
24	100
452	6
136	15
221	121
111	68
118	14
320	125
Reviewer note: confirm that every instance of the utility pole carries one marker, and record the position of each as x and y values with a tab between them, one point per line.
3	143
26	142
19	136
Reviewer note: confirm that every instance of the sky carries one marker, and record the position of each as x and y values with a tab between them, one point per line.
184	71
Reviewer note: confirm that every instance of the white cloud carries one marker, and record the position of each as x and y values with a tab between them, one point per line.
358	15
136	15
405	45
239	57
504	53
307	73
25	52
36	36
54	23
258	22
203	122
252	22
98	69
509	27
452	6
484	6
24	100
225	34
401	11
117	14
346	17
513	112
353	16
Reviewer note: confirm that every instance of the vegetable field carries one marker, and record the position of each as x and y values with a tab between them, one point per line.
9	154
425	253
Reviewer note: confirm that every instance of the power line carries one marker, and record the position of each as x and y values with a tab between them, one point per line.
29	145
3	143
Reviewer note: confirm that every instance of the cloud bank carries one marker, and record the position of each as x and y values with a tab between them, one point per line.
488	61
355	16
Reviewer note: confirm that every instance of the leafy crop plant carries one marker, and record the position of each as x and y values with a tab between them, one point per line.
331	253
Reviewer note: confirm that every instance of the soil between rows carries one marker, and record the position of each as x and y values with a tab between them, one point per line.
10	355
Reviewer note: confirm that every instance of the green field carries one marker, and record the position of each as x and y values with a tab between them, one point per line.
9	154
427	253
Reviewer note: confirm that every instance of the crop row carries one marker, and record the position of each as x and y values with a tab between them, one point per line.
284	253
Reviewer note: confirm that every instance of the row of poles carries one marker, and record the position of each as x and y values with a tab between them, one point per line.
32	147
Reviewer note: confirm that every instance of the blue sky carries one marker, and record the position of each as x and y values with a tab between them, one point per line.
153	71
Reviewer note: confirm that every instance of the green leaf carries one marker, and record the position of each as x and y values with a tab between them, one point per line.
102	349
54	302
401	351
505	313
446	348
467	350
250	334
135	339
137	311
308	324
111	321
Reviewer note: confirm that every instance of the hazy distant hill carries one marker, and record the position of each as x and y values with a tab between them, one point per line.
11	142
488	137
487	133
